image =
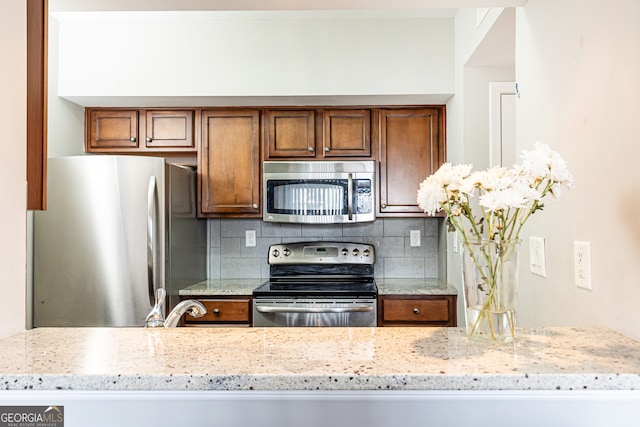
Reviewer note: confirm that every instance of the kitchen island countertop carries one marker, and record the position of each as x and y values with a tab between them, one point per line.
316	359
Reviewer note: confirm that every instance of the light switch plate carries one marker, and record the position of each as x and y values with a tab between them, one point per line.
537	256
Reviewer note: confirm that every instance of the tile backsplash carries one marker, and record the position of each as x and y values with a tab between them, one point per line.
230	258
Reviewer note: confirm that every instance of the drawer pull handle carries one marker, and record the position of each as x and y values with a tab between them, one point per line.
416	310
216	311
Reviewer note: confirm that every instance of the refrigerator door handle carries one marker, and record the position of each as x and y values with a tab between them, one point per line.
152	208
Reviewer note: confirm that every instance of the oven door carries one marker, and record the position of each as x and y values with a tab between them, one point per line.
292	312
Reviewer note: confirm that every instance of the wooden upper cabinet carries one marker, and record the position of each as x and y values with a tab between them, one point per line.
317	134
411	147
110	130
347	133
290	133
169	129
139	131
37	42
229	163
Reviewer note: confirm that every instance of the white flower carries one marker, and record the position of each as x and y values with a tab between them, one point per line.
543	162
447	182
503	200
495	178
507	196
431	195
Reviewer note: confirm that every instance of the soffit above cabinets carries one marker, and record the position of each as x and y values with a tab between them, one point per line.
257	101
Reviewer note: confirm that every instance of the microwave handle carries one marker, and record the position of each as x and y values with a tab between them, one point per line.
350	197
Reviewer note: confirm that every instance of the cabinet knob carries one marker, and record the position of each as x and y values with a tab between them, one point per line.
255	206
384	205
327	149
148	139
416	310
216	311
310	149
132	139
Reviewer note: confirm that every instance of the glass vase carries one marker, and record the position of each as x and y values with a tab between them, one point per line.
490	276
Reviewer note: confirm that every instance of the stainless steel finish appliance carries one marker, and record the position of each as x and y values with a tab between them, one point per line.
319	192
116	229
318	284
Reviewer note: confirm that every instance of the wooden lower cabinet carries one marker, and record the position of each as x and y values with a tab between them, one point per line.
221	312
417	310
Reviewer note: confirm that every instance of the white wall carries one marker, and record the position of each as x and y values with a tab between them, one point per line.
66	119
12	166
476	65
252	54
577	65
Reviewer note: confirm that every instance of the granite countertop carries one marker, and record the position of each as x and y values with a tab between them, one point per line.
392	286
316	359
388	286
222	287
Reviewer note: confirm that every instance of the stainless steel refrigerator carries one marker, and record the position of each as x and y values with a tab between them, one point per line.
116	228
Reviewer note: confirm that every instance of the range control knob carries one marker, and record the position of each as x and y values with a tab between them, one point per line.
356	252
345	252
366	252
286	252
275	253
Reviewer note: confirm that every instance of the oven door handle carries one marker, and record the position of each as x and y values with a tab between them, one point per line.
350	197
352	309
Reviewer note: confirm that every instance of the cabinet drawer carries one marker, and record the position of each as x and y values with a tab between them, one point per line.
424	311
223	311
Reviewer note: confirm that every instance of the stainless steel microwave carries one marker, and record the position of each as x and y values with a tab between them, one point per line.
319	192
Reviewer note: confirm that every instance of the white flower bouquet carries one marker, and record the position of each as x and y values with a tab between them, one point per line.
490	228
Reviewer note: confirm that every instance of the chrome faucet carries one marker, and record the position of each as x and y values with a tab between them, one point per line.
155	318
193	307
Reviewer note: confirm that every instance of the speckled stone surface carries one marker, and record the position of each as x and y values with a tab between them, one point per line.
315	359
385	287
222	287
392	286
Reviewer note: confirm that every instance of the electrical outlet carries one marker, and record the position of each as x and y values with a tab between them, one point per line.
537	256
250	238
582	264
415	237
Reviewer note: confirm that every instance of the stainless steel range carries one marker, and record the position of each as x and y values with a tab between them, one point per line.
318	284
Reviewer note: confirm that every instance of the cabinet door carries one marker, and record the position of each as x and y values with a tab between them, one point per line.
229	160
112	130
411	147
290	133
170	129
347	133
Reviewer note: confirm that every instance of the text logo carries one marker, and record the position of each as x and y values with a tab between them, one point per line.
31	416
